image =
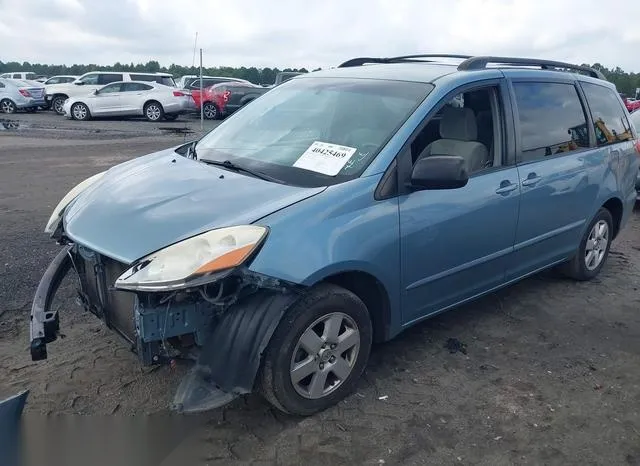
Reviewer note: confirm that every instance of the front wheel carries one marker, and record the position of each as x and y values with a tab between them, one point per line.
8	106
593	250
58	103
318	351
80	111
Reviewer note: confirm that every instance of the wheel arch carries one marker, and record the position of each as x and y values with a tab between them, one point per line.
153	101
373	294
616	208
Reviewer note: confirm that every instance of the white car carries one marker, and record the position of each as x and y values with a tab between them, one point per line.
60	79
131	98
23	75
56	94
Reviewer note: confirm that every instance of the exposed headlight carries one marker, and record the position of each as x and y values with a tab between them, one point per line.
193	261
66	200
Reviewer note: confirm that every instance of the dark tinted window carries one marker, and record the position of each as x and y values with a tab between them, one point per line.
109	78
164	80
552	120
129	87
609	118
206	82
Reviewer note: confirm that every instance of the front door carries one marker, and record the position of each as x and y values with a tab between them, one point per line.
455	243
108	100
554	164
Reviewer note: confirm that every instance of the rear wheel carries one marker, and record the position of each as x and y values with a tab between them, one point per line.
80	111
593	250
57	103
8	106
210	111
318	351
153	111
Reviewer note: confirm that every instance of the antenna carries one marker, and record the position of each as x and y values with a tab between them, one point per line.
193	61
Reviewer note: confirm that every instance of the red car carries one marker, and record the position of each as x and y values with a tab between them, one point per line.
225	98
631	104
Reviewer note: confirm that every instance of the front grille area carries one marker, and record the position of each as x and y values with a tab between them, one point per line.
99	273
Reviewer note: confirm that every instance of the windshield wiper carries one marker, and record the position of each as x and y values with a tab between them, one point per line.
238	168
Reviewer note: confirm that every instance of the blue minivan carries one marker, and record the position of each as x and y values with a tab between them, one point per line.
337	210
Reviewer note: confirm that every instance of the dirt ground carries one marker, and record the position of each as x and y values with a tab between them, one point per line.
550	372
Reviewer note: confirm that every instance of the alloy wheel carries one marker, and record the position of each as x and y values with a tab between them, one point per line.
210	111
153	112
325	355
597	244
8	106
80	111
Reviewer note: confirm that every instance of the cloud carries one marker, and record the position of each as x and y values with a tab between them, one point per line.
291	33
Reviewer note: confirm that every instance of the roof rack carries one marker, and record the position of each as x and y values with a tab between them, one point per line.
476	63
405	58
480	63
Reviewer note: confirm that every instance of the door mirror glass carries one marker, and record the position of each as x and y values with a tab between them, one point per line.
439	172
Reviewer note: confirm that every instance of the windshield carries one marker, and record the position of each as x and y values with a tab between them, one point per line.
314	131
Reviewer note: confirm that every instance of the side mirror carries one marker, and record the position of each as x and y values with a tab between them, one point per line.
78	83
439	172
96	92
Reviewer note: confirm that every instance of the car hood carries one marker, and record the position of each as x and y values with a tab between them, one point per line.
151	202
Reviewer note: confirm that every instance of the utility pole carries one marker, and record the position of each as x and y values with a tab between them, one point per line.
201	97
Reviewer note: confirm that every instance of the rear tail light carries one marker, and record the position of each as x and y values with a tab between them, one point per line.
179	94
226	95
24	92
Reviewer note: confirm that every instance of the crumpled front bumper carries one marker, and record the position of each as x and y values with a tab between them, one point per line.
44	322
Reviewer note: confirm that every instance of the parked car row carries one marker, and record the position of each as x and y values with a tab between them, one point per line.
155	96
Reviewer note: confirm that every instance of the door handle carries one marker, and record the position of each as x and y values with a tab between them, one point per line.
506	187
532	179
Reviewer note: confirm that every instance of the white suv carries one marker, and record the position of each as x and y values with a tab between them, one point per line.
56	94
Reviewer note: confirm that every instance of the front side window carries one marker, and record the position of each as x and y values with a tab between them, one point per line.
609	119
552	120
315	131
53	81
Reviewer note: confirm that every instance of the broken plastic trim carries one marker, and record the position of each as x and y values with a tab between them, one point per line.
230	359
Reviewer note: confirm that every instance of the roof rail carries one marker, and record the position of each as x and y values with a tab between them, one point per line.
480	63
416	58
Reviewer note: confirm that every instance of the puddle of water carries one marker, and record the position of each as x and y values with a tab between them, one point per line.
176	130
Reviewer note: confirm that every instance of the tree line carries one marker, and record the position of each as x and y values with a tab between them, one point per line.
627	83
252	74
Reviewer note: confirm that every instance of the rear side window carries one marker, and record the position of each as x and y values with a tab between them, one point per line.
552	120
609	118
164	80
129	87
109	78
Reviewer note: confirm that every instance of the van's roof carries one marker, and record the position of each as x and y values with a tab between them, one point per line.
430	67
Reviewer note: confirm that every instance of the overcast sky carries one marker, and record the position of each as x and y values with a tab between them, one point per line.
297	33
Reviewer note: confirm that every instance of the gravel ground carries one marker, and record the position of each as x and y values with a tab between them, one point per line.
550	372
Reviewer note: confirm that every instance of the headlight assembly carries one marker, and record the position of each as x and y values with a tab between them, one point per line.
192	262
66	200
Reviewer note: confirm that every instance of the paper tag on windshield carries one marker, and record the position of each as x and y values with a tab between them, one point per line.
325	158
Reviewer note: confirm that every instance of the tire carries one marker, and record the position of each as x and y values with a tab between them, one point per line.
80	111
57	102
153	111
8	106
578	268
171	117
323	303
210	111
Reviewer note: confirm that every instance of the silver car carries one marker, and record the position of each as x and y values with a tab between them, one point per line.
131	98
16	94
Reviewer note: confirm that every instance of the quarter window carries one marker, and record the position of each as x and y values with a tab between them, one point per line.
552	120
609	119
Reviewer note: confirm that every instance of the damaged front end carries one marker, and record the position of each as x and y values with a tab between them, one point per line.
223	323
